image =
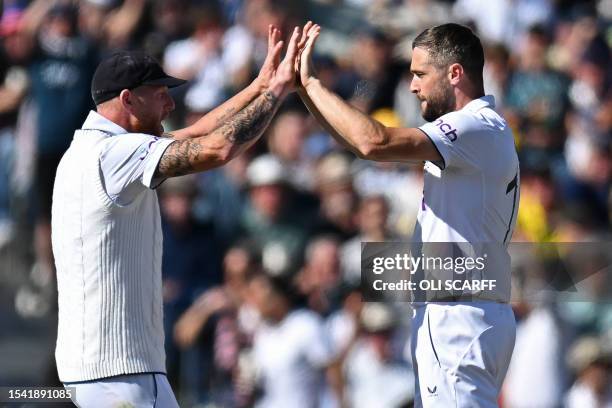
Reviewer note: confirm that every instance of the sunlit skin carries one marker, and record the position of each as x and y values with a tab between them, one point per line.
431	85
149	106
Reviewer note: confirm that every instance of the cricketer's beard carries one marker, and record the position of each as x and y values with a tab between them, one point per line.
440	102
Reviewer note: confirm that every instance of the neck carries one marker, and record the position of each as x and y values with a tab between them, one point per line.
463	98
119	117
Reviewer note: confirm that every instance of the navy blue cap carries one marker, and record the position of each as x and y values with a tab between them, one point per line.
128	70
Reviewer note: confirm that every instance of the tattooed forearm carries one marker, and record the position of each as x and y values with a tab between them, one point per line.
185	156
224	117
178	158
252	120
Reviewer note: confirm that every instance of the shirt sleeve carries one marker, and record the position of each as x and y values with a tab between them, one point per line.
456	139
128	164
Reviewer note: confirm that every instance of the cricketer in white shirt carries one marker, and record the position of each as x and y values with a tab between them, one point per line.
462	347
106	234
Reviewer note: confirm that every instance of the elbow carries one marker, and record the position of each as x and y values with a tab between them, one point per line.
365	151
370	147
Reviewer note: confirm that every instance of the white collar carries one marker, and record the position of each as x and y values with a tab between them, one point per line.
483	102
95	121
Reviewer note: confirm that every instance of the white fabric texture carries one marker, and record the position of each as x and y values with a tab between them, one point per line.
291	357
136	390
108	249
463	351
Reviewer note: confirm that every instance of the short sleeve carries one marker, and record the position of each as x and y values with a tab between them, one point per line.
455	137
128	163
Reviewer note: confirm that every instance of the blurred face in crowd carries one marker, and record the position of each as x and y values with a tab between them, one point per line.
288	136
149	106
323	263
381	345
271	305
372	215
370	56
533	55
236	264
431	86
176	207
268	200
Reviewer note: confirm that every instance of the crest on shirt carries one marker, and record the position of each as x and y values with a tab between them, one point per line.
145	150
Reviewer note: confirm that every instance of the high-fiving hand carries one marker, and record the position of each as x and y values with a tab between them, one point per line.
282	79
304	67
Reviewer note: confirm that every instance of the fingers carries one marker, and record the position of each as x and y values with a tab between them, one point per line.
276	53
293	43
273	36
304	35
274	45
312	36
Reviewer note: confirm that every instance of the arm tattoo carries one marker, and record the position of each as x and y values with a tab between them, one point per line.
178	158
252	121
182	156
224	116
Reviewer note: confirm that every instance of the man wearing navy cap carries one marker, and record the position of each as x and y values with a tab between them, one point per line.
106	228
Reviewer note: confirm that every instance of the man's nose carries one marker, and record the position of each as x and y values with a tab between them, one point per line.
414	88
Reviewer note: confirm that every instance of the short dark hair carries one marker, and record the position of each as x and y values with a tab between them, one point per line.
453	43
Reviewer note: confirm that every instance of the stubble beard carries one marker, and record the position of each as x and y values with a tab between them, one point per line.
440	102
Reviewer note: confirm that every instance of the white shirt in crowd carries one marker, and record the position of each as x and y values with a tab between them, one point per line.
291	357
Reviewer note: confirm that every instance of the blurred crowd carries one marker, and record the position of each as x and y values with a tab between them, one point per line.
262	265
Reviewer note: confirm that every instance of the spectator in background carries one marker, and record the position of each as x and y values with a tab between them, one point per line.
60	71
503	21
591	360
372	365
13	87
215	56
372	215
286	141
373	76
319	279
536	101
496	73
271	219
291	349
111	24
171	22
334	187
535	220
221	315
191	262
536	375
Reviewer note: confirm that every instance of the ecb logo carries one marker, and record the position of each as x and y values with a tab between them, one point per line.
447	129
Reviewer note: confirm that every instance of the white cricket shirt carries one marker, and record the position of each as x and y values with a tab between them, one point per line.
472	195
107	242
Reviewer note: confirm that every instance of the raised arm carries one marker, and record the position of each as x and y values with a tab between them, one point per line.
364	136
215	118
238	133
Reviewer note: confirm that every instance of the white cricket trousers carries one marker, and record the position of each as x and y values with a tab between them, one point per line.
461	352
134	391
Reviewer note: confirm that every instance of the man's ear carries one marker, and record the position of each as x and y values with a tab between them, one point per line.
126	97
455	73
